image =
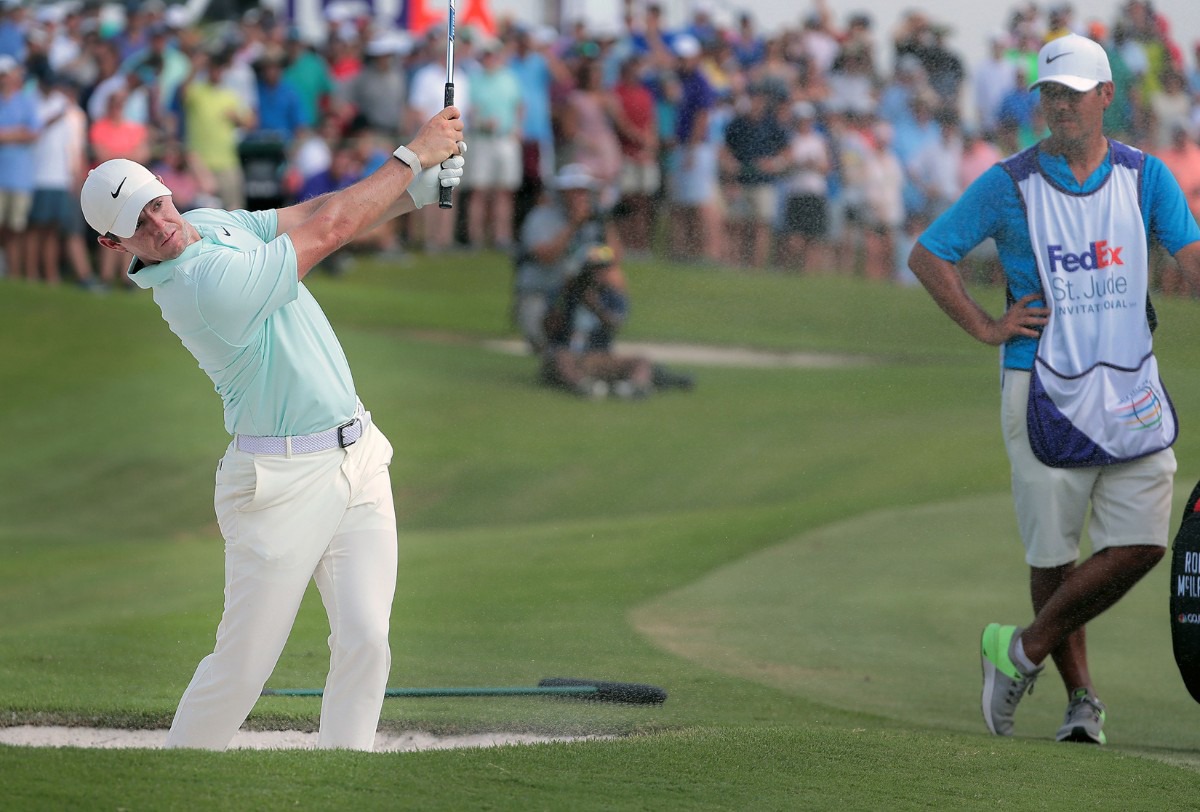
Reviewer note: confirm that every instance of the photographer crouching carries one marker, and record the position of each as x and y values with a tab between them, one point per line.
580	326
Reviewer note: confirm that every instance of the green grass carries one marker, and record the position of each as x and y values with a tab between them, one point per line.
802	557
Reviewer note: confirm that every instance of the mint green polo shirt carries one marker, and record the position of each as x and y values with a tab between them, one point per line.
235	302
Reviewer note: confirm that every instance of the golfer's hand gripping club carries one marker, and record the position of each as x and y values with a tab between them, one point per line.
428	185
439	148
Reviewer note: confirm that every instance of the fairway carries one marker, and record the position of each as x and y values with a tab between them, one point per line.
802	555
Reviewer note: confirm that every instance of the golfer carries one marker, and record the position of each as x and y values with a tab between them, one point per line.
303	490
1085	417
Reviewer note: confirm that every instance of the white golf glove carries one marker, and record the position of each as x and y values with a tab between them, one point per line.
424	189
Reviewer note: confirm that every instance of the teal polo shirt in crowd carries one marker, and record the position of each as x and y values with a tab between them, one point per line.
235	302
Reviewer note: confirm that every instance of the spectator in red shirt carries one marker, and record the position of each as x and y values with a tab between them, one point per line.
641	177
115	136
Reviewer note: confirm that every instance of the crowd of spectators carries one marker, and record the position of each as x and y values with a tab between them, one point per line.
827	146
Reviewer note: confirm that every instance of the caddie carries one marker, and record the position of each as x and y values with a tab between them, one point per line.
1087	423
303	490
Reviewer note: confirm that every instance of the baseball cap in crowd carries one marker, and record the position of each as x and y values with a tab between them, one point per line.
177	17
543	36
686	46
1074	61
114	195
804	110
574	176
489	46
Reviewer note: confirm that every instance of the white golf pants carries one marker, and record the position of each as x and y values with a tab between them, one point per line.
328	516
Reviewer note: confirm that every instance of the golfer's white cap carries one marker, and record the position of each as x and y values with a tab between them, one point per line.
115	193
1074	61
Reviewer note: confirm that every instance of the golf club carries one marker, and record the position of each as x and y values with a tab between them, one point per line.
444	201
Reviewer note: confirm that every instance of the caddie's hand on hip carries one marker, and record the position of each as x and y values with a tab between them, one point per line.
439	138
1022	319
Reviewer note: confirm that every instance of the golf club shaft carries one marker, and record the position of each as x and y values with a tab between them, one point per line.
444	200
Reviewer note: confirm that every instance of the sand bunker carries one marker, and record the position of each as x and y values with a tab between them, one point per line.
712	356
407	741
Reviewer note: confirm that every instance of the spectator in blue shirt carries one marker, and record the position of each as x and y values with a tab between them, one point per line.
756	155
19	127
749	47
12	29
280	109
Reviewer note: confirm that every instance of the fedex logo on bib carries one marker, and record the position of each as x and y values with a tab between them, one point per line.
1099	255
1090	293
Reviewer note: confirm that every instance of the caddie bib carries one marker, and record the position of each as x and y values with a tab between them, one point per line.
1095	396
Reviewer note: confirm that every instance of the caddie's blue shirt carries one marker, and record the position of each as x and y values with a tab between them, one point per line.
235	302
991	207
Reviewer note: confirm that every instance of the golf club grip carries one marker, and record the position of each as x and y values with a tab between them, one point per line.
634	693
444	201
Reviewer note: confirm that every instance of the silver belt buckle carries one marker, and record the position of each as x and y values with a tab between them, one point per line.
341	433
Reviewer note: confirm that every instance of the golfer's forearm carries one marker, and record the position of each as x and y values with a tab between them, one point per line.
402	206
294	215
359	208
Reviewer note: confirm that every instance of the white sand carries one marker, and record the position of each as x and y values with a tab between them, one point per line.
711	356
408	741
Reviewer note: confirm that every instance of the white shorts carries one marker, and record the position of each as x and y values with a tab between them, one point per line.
754	203
494	163
639	179
1130	501
693	180
14	209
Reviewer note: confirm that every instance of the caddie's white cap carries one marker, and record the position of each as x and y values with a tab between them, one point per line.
1074	61
114	195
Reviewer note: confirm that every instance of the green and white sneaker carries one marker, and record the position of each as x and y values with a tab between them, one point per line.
1003	683
1084	719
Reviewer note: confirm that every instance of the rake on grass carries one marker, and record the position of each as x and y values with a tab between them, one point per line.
632	693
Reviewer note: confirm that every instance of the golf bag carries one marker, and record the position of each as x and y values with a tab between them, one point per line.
1185	595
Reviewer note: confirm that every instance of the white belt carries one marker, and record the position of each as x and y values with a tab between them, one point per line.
346	434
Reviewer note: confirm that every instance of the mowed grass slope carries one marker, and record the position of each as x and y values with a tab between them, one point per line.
801	557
